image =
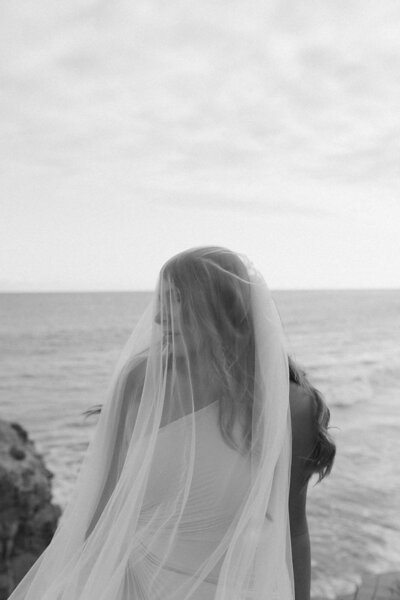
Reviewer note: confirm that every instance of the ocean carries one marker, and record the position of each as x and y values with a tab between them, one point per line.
57	355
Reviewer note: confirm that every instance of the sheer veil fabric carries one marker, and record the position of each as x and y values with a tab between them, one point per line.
183	492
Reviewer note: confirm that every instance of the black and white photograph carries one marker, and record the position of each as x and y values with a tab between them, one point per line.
199	300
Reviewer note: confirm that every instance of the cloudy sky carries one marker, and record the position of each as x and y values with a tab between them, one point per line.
132	130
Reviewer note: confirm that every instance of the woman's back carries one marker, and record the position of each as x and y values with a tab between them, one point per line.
219	485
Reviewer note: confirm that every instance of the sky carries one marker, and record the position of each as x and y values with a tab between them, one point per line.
130	131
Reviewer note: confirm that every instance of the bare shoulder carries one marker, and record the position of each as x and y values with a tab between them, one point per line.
131	395
304	430
302	403
302	412
135	380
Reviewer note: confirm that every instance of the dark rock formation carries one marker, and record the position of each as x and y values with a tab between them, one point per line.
28	519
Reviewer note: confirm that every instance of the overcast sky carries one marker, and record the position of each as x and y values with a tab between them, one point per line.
130	131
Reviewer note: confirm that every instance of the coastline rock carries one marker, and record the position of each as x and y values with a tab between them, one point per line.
384	586
28	519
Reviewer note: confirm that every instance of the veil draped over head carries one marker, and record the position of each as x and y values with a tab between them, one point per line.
183	492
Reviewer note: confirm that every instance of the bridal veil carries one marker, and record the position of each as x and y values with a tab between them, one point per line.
183	492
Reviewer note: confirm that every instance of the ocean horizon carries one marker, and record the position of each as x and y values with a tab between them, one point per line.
122	290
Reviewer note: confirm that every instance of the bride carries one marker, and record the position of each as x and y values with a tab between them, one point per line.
194	486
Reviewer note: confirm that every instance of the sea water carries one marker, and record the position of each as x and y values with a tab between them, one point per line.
58	352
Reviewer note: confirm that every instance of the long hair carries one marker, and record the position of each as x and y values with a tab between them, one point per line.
324	451
216	308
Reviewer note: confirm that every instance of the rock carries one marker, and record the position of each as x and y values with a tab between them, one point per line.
384	586
28	519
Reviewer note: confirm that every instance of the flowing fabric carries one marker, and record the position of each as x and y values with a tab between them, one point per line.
183	492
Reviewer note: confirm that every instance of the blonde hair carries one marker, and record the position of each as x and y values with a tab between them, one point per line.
216	308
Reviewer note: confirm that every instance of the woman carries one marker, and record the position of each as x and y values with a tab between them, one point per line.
184	492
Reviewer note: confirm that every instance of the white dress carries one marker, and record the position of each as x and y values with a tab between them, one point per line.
221	479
